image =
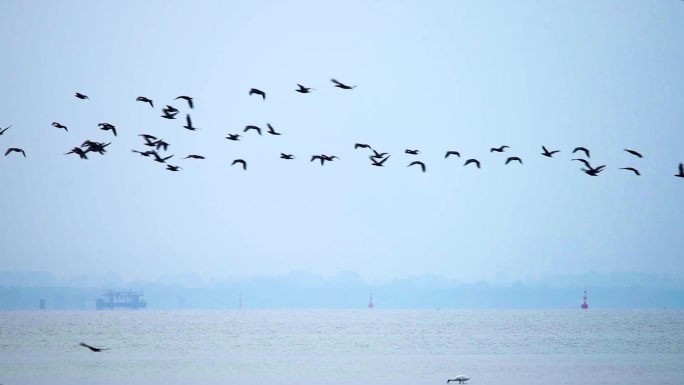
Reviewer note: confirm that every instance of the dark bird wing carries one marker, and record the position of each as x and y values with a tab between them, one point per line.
513	158
422	165
469	161
338	83
586	163
634	170
241	161
458	154
361	145
583	150
634	153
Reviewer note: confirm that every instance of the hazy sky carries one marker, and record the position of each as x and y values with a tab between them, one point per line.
463	75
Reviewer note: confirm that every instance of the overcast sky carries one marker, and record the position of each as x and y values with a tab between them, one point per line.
433	76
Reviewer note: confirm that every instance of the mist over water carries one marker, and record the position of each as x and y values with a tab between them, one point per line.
342	347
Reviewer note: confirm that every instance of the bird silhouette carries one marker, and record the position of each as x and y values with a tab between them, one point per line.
14	149
60	126
586	162
149	139
548	153
144	153
286	156
634	153
361	145
145	100
81	96
188	125
79	152
233	137
460	379
107	127
161	143
255	91
257	129
378	155
634	170
586	152
5	129
170	112
378	163
187	99
681	171
271	130
240	161
159	159
417	162
500	149
92	348
411	152
323	158
303	90
593	171
98	147
469	161
512	159
173	168
342	85
193	156
448	153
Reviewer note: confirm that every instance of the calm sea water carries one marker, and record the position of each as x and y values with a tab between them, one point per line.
342	347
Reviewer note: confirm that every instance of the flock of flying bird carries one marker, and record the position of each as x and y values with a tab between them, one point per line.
377	159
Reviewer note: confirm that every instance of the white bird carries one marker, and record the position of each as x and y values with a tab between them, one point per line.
460	379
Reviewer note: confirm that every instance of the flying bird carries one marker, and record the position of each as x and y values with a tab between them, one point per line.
241	161
160	143
460	379
257	129
98	147
411	152
145	100
586	162
193	156
378	163
417	162
188	125
271	130
81	96
681	171
255	91
586	152
107	127
233	137
149	139
500	149
469	161
548	153
187	99
78	151
512	159
323	158
60	126
144	153
361	145
303	90
3	131
159	159
458	154
378	155
170	112
286	156
342	85
14	149
173	168
634	153
94	349
634	170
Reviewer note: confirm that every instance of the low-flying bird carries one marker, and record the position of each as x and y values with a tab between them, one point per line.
586	152
548	153
81	96
241	161
14	149
187	99
159	159
271	130
458	154
188	124
78	151
411	152
144	153
469	161
233	137
256	91
378	163
512	159
60	126
460	379
286	156
342	85
5	129
361	145
173	168
303	90
257	129
634	153
92	348
681	171
417	162
107	127
145	100
193	156
634	170
500	149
